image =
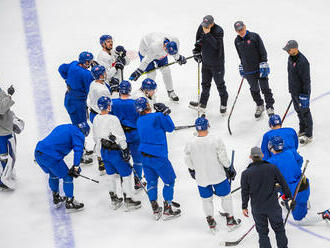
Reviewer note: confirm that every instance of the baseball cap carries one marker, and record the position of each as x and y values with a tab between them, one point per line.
256	152
290	44
238	25
207	21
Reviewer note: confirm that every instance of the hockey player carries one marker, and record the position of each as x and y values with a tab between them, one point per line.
254	67
288	134
152	128
114	61
49	154
289	163
153	51
124	109
207	161
148	91
97	89
209	51
258	183
78	79
300	89
115	154
10	125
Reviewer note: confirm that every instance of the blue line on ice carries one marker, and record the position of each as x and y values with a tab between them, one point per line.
63	234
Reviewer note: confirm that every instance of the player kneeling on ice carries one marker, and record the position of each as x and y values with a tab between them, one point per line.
111	140
289	162
288	134
148	91
152	128
50	153
207	162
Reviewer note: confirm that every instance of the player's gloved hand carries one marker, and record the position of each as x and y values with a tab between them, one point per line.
125	154
303	101
136	74
74	171
192	173
11	90
264	70
114	84
181	60
197	55
230	173
161	107
120	51
289	204
94	63
241	70
120	63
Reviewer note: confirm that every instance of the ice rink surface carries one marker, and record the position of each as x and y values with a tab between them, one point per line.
68	27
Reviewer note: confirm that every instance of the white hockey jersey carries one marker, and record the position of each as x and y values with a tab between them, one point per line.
208	157
103	126
152	47
96	90
139	93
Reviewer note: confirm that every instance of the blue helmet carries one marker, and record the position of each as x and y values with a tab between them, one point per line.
97	71
148	84
201	123
125	87
171	47
105	37
85	56
104	102
276	143
141	104
274	120
84	128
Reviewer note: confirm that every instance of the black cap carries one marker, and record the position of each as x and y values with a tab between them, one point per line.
290	44
207	21
238	25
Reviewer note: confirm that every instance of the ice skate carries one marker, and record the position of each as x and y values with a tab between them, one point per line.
169	213
223	110
232	223
173	96
116	202
212	224
58	200
259	110
326	215
270	111
130	204
86	160
157	210
4	187
197	106
138	184
72	205
304	140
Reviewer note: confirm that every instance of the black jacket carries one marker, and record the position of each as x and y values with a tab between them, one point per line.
258	182
211	45
299	75
251	51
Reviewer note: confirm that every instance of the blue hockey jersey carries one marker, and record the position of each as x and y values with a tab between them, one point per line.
77	78
61	141
288	135
152	130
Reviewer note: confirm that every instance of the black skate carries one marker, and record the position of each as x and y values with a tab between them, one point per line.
173	96
88	153
270	111
304	140
130	204
157	210
212	224
232	223
326	215
72	205
4	187
223	110
259	110
101	166
170	213
85	160
138	184
116	202
197	106
58	200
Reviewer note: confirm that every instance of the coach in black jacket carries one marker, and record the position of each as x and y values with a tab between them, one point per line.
300	89
209	50
254	67
258	182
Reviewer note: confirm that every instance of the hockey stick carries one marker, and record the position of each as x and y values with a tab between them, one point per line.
237	189
287	110
297	189
88	178
232	162
169	64
232	108
183	127
234	243
199	88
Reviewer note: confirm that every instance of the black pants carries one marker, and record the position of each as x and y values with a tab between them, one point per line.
217	73
305	117
256	84
276	222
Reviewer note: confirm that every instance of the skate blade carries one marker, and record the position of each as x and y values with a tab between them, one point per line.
203	111
157	216
213	230
132	208
170	217
232	228
58	205
73	210
102	173
116	206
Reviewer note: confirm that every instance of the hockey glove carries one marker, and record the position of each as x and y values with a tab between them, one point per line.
120	51
120	63
125	154
197	55
94	63
74	171
161	107
192	173
11	90
289	204
304	101
181	60
264	69
136	74
114	84
241	70
230	173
